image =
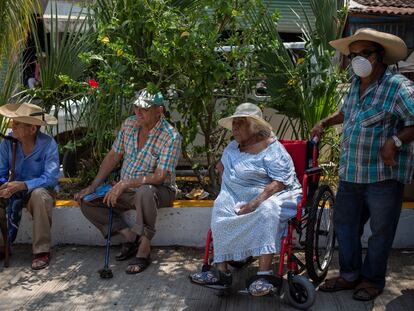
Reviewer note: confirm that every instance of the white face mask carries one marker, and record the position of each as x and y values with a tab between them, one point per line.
362	67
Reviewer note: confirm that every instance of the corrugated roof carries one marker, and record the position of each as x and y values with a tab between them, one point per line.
389	7
288	19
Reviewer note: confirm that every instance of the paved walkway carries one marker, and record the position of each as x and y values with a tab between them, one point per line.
72	283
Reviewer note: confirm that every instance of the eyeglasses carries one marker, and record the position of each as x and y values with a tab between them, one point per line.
363	53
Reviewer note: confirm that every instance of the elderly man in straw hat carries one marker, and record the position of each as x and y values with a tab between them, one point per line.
259	194
36	172
148	147
376	159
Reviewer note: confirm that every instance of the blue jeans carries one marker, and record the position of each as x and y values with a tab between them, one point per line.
354	205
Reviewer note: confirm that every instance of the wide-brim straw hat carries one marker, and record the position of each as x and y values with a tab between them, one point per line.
245	110
394	47
27	113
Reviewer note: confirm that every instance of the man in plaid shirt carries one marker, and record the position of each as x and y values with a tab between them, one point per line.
376	159
148	147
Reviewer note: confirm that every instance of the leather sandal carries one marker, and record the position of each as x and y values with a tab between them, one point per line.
366	291
128	250
337	284
138	264
40	261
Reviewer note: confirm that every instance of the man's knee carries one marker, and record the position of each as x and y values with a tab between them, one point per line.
145	192
41	194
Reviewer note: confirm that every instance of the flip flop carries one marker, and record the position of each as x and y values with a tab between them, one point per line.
337	284
141	263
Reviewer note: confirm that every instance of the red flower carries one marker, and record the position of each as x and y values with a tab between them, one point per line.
93	83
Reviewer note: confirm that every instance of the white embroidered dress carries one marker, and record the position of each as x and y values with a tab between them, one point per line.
245	176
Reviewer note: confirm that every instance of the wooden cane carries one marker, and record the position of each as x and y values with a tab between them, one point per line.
3	225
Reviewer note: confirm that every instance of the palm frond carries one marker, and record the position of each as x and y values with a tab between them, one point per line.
60	54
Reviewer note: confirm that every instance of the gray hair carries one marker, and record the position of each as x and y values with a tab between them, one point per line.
260	129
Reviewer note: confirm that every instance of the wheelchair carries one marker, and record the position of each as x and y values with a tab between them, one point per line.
312	227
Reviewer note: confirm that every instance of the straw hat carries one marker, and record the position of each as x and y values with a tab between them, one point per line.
246	110
27	113
395	48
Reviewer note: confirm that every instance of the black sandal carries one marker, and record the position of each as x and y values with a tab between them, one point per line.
128	250
141	263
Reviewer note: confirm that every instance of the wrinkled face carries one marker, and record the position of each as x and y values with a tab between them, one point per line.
241	129
366	49
23	130
148	116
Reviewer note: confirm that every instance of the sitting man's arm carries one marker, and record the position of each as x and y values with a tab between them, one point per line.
156	178
167	162
108	164
268	191
48	178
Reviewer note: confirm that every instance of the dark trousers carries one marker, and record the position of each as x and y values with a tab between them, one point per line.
356	203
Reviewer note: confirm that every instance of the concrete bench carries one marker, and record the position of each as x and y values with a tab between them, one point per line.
185	223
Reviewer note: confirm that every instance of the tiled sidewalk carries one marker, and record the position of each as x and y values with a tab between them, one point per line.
72	283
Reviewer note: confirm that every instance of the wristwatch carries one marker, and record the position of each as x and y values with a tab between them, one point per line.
397	141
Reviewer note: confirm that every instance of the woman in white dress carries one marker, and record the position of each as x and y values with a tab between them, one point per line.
259	194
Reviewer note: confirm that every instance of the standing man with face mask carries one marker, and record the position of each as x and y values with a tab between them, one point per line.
376	159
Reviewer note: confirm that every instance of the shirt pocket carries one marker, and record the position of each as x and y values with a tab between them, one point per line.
372	117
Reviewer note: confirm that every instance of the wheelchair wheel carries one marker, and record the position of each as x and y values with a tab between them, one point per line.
299	292
320	235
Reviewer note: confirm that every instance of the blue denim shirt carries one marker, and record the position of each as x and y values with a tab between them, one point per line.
39	169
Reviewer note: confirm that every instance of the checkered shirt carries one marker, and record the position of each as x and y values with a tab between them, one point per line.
161	150
384	109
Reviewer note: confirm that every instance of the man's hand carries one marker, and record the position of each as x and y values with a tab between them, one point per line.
112	195
79	196
317	130
10	188
388	152
247	208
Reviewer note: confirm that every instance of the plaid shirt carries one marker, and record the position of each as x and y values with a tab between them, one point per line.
384	109
161	150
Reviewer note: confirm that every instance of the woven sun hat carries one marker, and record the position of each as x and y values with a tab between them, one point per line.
27	113
246	110
144	99
394	47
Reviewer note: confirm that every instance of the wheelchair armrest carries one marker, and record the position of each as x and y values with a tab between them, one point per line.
314	171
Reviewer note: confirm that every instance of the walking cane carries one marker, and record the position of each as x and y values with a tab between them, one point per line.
4	229
106	272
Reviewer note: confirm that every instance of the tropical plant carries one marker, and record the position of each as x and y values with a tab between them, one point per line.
218	68
15	16
172	46
304	89
58	56
308	88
